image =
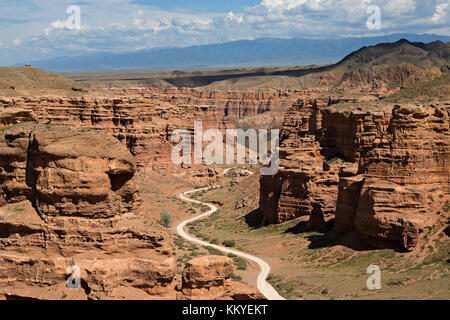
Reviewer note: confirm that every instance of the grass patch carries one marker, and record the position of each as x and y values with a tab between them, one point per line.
16	208
239	262
4	128
214	252
236	277
166	219
229	243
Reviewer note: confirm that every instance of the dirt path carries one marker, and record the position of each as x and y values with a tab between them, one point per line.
266	289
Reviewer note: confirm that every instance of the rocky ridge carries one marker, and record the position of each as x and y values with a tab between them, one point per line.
379	170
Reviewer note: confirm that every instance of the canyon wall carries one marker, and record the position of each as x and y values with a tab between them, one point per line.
378	169
233	104
69	202
144	119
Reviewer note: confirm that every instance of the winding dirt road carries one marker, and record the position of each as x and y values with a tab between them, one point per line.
263	286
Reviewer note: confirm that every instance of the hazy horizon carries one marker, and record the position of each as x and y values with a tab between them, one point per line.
36	30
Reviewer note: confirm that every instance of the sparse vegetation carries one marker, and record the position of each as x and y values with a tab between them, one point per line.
229	243
239	262
11	126
16	208
214	252
236	277
446	207
166	219
336	159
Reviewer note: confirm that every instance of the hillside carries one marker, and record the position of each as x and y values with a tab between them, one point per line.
27	80
427	91
379	68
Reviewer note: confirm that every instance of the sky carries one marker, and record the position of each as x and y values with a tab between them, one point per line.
39	29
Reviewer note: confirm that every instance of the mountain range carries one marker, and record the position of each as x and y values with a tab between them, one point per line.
259	52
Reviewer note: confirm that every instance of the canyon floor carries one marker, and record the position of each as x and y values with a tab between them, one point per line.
304	265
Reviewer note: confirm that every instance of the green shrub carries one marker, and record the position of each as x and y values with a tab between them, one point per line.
240	263
214	252
166	219
215	241
229	243
447	206
235	277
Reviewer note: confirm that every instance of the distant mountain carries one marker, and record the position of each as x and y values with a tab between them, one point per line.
377	68
391	65
260	52
436	53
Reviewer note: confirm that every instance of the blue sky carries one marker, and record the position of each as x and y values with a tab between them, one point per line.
37	29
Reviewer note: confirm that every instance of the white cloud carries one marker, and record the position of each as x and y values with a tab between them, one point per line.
58	24
441	14
123	25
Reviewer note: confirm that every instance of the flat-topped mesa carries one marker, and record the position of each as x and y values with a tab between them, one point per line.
381	170
141	124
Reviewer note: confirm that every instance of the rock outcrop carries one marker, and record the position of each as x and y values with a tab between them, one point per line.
69	198
14	116
381	170
209	277
69	207
304	177
406	177
67	172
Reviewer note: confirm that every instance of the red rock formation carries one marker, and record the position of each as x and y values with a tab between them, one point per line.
304	177
209	277
392	177
144	118
14	116
406	177
39	160
69	199
232	104
69	195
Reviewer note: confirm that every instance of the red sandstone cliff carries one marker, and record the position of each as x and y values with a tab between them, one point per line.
382	171
68	198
